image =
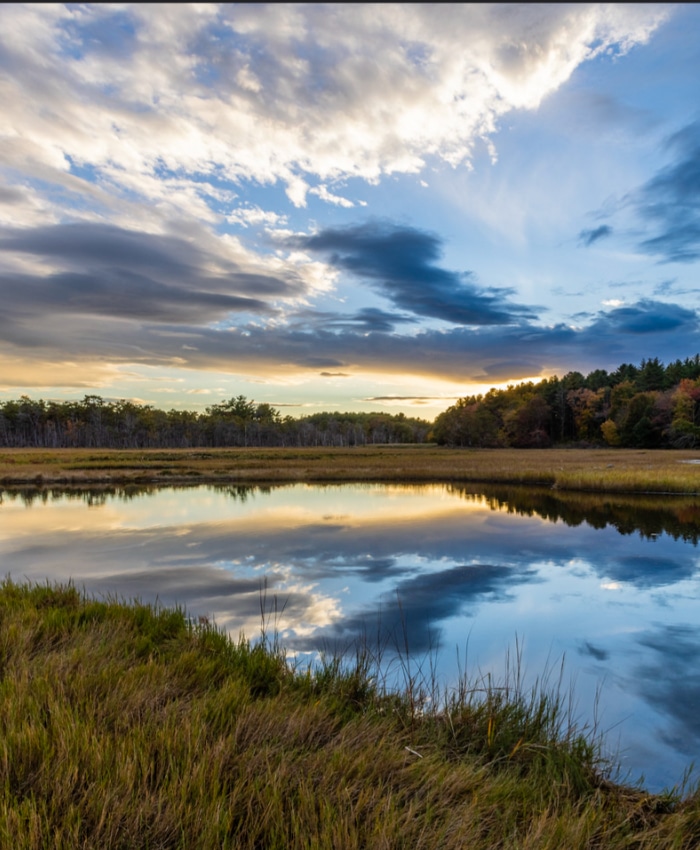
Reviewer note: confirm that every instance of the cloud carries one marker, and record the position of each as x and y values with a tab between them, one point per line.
594	652
670	682
670	201
190	300
670	288
645	571
413	611
329	197
253	215
415	398
588	237
367	319
132	132
11	196
103	325
161	105
42	371
101	270
399	262
647	317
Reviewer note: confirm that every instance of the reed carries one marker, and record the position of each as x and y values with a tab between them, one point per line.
126	725
602	470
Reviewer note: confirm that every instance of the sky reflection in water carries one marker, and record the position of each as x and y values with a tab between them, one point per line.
610	585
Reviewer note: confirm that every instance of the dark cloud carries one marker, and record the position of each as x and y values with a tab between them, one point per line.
411	614
646	317
417	398
670	201
665	287
11	195
315	361
595	652
401	264
103	270
125	297
668	288
645	571
368	320
671	683
178	583
625	334
103	244
372	319
588	237
120	293
505	368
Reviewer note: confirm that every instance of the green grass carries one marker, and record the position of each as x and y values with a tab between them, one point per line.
124	725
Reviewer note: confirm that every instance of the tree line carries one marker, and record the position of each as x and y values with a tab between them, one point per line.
645	406
98	423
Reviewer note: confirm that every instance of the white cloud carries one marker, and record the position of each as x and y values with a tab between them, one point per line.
329	197
254	215
159	102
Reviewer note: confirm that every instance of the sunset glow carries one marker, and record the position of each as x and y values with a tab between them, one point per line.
343	207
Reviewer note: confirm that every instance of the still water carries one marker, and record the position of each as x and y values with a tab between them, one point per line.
611	586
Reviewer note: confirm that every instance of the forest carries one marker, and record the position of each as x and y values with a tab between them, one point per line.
239	422
647	406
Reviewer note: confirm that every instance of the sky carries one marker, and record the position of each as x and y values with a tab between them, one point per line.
343	207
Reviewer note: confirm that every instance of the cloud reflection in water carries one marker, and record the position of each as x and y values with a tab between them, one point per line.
424	566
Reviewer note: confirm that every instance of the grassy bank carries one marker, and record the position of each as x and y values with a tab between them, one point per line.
604	470
126	726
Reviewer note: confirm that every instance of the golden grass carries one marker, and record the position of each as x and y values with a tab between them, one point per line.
603	470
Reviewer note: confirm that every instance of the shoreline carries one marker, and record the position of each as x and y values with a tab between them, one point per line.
651	472
128	724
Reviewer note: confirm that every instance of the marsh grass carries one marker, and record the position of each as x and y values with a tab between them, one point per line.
603	470
124	725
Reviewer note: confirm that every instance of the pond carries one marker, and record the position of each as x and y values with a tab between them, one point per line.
458	577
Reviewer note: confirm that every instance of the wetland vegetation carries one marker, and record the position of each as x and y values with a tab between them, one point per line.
129	725
603	470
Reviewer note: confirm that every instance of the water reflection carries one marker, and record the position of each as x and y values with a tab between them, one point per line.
611	583
669	679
